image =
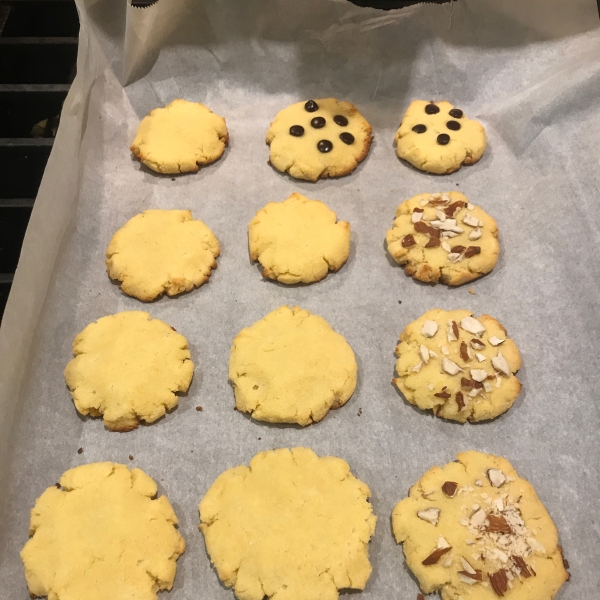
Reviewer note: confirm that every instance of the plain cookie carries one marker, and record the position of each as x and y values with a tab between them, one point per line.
291	367
180	137
100	534
298	240
319	138
438	138
443	237
292	526
459	367
474	529
161	251
128	368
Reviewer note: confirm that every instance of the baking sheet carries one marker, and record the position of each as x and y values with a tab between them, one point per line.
528	71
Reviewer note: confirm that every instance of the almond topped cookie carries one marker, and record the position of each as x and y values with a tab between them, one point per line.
475	529
443	237
460	367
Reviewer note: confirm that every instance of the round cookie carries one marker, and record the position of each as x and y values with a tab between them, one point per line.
443	237
180	137
100	534
437	137
291	367
161	251
128	368
474	529
292	526
459	367
318	138
298	240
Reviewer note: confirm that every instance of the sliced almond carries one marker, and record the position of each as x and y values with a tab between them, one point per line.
440	215
445	351
471	220
475	234
417	368
431	515
477	344
450	367
478	518
429	328
466	566
454	257
446	247
424	353
472	325
480	357
496	477
499	363
487	386
496	341
435	556
479	374
452	330
442	542
416	217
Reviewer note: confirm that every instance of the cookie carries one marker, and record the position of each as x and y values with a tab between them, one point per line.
319	138
292	526
438	138
298	240
180	137
459	367
161	251
291	367
100	534
475	529
128	368
443	237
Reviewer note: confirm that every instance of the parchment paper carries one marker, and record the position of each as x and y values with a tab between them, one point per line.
528	71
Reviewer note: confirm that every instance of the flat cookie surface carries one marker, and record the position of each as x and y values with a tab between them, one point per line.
443	237
474	529
161	251
438	138
459	367
318	138
291	367
292	526
128	368
298	240
180	137
101	535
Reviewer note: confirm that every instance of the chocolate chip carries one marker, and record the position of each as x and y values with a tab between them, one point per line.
347	138
325	146
432	109
297	130
340	120
443	139
456	113
198	408
311	106
453	125
408	241
131	457
80	451
318	122
420	128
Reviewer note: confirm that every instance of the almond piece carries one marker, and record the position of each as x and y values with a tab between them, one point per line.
496	477
472	251
496	341
450	367
475	234
416	216
479	375
480	357
452	329
429	328
464	352
471	220
431	515
417	368
424	353
435	556
408	241
499	363
432	243
478	518
473	326
499	582
460	401
449	488
477	344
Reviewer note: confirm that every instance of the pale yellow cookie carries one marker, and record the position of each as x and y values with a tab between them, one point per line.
291	367
161	251
180	137
292	526
319	138
460	367
128	368
474	529
437	137
298	240
100	535
443	237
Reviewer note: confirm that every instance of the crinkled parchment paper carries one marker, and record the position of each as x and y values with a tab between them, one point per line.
528	70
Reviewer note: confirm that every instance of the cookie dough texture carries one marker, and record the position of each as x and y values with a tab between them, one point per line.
102	535
495	537
161	251
291	367
300	155
180	137
460	375
292	526
128	368
298	240
422	147
443	238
